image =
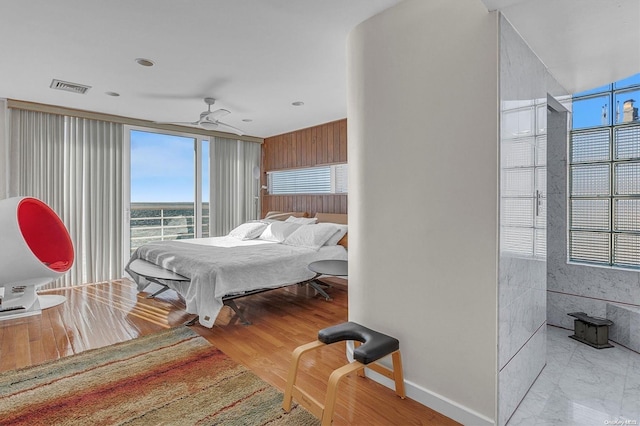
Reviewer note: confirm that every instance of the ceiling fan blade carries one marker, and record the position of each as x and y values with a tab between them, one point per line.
215	115
172	96
223	126
180	123
208	125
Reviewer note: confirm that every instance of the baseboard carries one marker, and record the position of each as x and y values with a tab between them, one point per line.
436	402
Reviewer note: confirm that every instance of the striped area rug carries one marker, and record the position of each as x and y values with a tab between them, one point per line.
174	377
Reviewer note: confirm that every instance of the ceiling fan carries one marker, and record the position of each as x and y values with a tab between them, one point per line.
210	120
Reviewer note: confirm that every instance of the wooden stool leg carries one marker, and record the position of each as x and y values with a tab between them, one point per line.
332	390
360	372
293	371
398	376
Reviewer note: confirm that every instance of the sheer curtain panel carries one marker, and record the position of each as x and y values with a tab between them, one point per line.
234	189
75	166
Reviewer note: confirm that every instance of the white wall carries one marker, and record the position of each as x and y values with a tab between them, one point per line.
423	196
4	166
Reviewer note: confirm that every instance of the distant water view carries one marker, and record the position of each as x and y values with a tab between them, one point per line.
164	221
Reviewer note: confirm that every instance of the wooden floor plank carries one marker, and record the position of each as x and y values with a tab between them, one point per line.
106	313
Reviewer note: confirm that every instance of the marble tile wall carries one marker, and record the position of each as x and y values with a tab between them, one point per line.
522	266
626	328
520	373
522	303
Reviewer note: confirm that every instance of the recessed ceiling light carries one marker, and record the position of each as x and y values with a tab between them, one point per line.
112	93
297	103
145	62
247	120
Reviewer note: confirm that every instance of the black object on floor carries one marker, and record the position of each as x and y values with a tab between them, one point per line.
591	330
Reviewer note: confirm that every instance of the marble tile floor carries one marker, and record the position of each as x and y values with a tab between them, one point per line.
582	386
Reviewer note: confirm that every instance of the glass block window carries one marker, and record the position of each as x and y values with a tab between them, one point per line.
627	146
592	111
523	151
590	146
604	172
331	179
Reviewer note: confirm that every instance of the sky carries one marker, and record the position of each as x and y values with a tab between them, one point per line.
163	168
599	109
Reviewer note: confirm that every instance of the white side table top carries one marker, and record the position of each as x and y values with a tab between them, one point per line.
338	268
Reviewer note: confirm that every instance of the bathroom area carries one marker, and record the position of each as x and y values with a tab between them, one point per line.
552	251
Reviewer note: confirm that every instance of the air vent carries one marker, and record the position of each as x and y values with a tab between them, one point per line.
69	87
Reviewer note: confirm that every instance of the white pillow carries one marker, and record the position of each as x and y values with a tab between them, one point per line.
302	220
335	238
248	231
311	236
278	231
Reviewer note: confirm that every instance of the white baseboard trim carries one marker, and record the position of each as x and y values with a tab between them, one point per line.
436	402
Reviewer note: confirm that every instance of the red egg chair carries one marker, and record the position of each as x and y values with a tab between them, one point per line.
35	249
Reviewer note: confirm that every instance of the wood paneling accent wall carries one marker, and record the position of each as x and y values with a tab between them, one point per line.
313	146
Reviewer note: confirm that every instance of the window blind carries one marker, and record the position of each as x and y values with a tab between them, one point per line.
341	178
310	180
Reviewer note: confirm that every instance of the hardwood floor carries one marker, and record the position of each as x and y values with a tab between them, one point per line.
106	313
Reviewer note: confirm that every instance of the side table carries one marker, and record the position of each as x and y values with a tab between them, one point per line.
332	267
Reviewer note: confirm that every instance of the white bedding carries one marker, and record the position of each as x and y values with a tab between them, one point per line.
220	266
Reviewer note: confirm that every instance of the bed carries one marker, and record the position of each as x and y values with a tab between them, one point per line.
257	256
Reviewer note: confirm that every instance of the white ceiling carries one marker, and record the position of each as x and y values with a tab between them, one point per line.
255	57
583	43
258	56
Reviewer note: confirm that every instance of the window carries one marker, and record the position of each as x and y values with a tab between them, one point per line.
523	178
184	186
163	187
311	180
604	175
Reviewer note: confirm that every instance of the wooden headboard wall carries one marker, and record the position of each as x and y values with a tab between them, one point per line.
314	146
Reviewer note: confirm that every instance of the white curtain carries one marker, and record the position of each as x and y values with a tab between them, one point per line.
75	166
234	189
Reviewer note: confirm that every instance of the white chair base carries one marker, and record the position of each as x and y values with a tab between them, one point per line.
22	301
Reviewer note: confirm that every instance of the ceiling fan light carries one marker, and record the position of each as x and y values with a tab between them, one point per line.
208	125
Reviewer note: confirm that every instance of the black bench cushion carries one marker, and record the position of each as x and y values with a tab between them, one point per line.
374	346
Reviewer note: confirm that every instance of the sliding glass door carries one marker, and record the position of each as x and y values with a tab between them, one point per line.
168	176
179	186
